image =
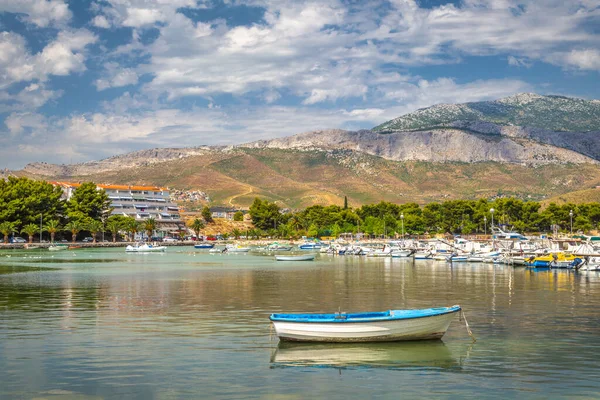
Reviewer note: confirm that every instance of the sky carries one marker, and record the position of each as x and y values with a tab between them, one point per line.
85	80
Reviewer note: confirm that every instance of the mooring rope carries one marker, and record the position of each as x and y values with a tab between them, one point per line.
463	316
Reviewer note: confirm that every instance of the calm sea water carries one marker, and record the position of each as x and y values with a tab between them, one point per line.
93	324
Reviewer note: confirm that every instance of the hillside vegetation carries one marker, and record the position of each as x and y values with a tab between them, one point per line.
298	179
555	113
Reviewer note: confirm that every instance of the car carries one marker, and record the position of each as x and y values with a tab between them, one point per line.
88	239
18	239
169	239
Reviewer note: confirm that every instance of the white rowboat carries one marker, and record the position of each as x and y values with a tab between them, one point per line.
386	326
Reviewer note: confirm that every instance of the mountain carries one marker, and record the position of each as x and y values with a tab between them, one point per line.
525	128
442	152
552	113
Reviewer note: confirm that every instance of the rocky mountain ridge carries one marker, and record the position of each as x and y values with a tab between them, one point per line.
526	129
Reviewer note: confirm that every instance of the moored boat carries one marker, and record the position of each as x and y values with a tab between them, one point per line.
301	257
554	260
58	247
384	326
144	248
230	248
204	246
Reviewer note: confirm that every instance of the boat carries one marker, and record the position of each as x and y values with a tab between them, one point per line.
230	248
301	257
554	260
310	246
58	247
424	255
402	253
278	247
204	246
145	248
383	326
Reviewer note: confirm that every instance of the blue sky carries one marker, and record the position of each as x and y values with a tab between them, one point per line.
85	80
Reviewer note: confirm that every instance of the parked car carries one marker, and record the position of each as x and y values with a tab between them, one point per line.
88	239
17	239
169	239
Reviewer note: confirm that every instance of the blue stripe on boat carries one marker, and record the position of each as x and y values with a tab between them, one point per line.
390	315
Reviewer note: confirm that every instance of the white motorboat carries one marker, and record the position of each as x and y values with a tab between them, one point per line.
300	257
145	248
386	326
58	247
231	248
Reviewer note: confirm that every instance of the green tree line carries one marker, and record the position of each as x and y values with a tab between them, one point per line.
29	206
453	216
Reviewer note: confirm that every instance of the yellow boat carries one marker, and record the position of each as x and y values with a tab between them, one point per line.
552	260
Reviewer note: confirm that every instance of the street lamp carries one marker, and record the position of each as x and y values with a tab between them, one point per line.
402	220
571	216
492	226
485	225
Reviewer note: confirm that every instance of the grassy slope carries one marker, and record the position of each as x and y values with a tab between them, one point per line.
299	179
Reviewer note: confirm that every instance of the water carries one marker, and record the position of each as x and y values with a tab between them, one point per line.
92	324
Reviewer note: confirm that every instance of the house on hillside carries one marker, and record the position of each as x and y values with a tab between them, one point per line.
224	212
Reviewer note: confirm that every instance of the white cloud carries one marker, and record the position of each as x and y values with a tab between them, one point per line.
17	123
116	76
39	12
118	129
62	56
100	21
519	62
588	59
324	52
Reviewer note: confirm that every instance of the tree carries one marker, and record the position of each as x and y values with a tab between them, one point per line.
74	227
88	202
238	216
52	226
197	225
207	215
345	202
313	231
94	227
30	230
149	227
6	228
23	200
236	233
265	215
132	226
113	226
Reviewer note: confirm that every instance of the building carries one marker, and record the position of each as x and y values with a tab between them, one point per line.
139	202
223	212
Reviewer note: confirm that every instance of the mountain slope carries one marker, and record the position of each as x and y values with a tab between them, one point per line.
298	179
443	152
552	113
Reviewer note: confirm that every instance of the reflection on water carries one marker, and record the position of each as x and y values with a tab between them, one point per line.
426	354
187	324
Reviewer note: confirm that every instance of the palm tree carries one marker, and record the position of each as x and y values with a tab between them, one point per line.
113	227
197	225
6	229
30	230
94	226
236	233
149	227
74	227
132	226
52	227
